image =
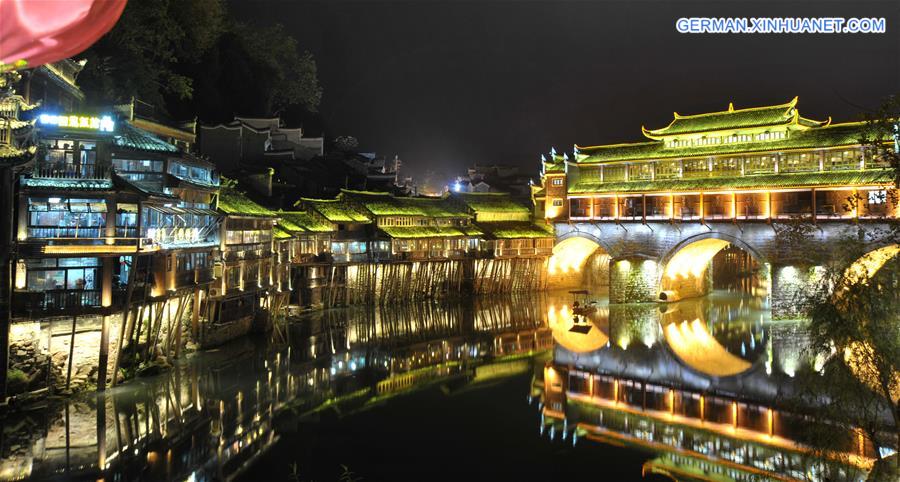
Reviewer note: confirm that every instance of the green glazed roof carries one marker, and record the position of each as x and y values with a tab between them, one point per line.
131	137
280	233
805	179
338	211
385	204
517	230
730	119
494	206
234	202
836	135
410	232
555	167
302	221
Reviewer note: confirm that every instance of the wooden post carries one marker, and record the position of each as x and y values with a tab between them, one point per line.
71	361
813	206
195	318
702	208
104	357
644	208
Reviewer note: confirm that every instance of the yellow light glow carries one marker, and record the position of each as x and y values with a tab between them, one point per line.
693	259
570	255
866	266
20	274
87	249
560	321
697	348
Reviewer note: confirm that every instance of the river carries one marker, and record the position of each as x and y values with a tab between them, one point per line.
439	391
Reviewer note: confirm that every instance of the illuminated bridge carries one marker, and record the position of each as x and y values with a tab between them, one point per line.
649	218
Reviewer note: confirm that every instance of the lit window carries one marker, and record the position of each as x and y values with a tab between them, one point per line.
558	181
557	202
877	197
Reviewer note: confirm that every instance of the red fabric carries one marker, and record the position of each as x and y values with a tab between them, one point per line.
44	31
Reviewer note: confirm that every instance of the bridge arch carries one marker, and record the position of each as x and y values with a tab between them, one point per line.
867	265
684	268
578	260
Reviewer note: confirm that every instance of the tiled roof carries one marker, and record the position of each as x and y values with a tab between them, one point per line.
409	232
494	206
835	135
234	202
514	230
338	211
299	221
729	119
385	204
806	179
131	137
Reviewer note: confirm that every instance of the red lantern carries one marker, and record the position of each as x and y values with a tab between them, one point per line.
34	33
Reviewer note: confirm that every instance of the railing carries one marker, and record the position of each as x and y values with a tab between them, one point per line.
194	276
61	300
70	171
52	232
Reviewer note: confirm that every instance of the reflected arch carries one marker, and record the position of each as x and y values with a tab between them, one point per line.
684	269
688	329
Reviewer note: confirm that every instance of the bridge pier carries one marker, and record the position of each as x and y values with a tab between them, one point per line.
791	285
634	280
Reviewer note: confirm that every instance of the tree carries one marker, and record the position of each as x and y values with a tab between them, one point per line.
255	71
189	58
141	56
854	333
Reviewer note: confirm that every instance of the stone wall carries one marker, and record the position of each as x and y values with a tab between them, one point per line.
633	281
40	350
791	287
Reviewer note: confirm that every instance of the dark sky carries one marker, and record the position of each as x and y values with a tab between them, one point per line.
446	84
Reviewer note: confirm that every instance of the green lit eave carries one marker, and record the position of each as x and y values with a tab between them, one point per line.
494	207
835	135
299	221
385	204
414	232
337	211
786	180
517	230
237	204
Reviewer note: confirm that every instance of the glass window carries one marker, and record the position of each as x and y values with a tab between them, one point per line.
798	162
843	160
759	164
668	170
640	171
696	168
613	173
726	166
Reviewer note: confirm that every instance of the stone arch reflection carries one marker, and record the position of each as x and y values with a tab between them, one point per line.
720	339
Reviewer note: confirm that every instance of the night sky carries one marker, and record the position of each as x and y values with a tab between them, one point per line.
446	84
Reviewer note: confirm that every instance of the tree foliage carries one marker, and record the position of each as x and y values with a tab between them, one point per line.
188	57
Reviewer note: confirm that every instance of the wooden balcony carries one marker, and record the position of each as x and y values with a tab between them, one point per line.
70	171
60	302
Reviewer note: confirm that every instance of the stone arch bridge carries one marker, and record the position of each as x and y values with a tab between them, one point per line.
668	261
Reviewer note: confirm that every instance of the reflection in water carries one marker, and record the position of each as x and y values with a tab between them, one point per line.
212	414
702	389
695	381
